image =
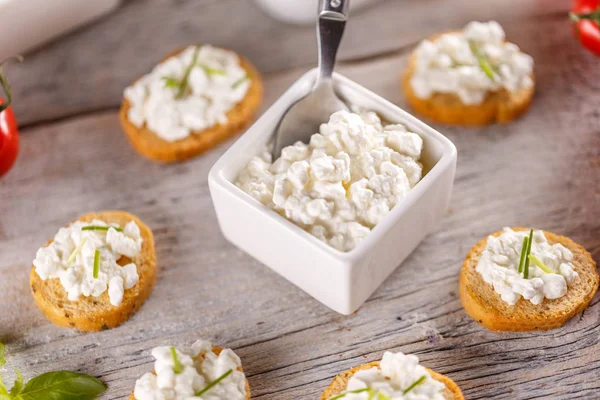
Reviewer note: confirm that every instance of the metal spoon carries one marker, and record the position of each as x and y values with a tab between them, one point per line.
305	116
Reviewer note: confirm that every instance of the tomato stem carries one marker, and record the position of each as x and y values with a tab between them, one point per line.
5	85
593	16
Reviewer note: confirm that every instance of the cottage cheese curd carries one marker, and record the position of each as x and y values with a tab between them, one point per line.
216	84
344	182
396	374
201	367
449	65
499	264
76	273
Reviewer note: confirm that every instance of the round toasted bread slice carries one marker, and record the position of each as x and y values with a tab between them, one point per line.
152	146
97	313
447	108
217	350
486	307
340	383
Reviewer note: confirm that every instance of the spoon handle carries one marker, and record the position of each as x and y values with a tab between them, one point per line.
330	28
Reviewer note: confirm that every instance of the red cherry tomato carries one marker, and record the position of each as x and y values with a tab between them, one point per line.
585	16
9	140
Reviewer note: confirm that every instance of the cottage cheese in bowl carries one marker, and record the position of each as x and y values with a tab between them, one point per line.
341	184
499	267
470	64
82	248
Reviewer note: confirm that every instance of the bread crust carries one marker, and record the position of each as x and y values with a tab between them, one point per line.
447	108
486	307
153	147
97	313
217	350
339	383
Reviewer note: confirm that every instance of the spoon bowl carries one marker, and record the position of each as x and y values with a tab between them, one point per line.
305	116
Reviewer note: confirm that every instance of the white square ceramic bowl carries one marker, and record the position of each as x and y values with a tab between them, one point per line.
341	281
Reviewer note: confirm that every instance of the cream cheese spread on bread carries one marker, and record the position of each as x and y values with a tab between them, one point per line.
470	64
342	183
499	264
83	247
192	373
399	377
214	83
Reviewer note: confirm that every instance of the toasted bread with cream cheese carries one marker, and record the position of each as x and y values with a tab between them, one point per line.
239	117
502	106
97	313
486	307
340	382
217	350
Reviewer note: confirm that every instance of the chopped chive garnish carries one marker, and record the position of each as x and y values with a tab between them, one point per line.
214	383
101	228
184	82
540	264
96	263
526	266
415	384
212	71
171	82
523	251
482	59
240	81
177	367
383	396
339	396
76	251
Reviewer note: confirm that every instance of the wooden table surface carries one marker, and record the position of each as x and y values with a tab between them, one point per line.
541	171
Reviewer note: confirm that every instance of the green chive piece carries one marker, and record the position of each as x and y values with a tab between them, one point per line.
339	396
540	264
76	251
171	82
415	384
96	263
526	266
214	383
237	83
188	71
483	61
101	228
212	71
177	367
382	396
523	251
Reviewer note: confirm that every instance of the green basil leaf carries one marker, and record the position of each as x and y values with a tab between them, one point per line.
3	389
18	385
62	385
2	351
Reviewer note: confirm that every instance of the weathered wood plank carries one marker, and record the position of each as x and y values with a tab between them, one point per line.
543	171
87	71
